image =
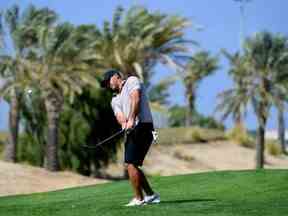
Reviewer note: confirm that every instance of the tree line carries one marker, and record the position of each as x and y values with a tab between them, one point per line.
52	70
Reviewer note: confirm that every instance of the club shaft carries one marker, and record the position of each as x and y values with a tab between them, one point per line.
105	140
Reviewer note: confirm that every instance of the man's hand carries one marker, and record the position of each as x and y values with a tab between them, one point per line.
130	124
121	119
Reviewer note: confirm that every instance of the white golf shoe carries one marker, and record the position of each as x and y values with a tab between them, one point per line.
136	202
155	198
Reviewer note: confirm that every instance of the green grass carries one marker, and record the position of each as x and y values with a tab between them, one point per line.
262	193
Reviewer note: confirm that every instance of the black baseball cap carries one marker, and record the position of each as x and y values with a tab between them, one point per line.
107	76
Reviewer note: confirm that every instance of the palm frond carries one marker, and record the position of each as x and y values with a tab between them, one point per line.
12	17
1	31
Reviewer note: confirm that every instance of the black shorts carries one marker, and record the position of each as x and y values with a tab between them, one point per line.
137	144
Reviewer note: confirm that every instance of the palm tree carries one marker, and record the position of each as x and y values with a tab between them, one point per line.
12	62
55	66
279	52
258	70
1	32
8	65
59	71
136	42
200	66
237	65
281	127
242	6
158	93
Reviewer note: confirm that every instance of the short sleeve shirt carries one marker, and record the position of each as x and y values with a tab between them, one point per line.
122	102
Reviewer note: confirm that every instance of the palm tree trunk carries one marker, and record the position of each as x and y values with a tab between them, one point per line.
239	120
42	144
260	143
11	145
51	159
281	130
191	107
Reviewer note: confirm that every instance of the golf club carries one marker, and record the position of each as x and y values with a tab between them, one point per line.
108	139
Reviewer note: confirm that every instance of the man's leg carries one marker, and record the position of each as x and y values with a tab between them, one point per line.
145	184
135	177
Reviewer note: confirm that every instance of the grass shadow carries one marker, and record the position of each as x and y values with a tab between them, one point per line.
187	201
110	177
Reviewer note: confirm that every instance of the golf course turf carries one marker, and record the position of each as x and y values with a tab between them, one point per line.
226	193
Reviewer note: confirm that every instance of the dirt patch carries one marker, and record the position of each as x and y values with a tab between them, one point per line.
24	179
202	157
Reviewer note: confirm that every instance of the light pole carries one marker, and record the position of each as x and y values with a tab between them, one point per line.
242	4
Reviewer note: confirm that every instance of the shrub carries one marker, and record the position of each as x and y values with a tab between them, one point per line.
273	147
177	118
29	150
240	136
181	156
3	136
1	148
196	136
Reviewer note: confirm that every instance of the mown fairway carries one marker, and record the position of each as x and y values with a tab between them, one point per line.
215	193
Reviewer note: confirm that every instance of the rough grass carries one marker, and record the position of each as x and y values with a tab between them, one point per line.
273	147
182	135
3	135
263	193
240	136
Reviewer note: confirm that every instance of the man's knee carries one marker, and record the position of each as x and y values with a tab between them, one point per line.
130	166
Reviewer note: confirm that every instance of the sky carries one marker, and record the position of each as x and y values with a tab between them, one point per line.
220	23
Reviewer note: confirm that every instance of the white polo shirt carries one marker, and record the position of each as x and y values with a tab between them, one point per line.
122	101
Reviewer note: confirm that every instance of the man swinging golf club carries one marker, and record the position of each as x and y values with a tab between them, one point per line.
132	111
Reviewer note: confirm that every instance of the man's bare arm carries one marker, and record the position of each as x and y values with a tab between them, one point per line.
121	119
134	110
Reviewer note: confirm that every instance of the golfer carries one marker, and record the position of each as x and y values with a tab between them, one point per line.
132	111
